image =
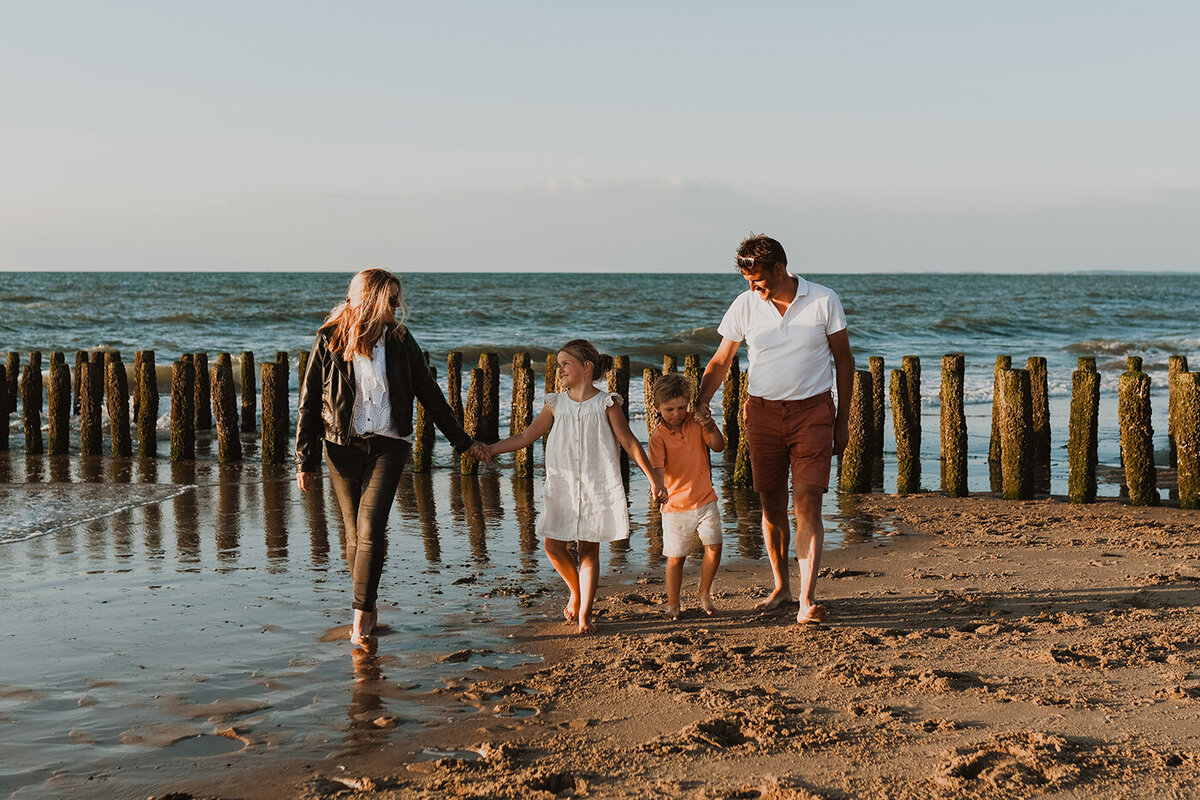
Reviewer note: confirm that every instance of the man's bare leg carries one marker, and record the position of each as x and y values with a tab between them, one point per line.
776	533
708	570
589	582
674	584
810	539
564	565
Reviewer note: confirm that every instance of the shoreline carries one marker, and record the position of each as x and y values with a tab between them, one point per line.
989	648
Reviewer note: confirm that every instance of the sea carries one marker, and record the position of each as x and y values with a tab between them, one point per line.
163	620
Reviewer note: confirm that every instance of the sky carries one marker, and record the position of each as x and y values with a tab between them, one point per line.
1026	136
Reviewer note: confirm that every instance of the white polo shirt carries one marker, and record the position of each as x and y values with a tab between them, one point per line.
789	353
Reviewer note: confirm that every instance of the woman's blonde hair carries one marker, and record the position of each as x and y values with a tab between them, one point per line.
359	320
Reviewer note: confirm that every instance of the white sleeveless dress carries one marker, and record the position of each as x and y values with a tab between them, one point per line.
584	498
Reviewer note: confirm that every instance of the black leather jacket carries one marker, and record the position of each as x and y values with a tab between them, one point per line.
327	392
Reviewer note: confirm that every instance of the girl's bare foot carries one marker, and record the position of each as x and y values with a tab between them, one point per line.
706	603
774	600
672	613
812	614
571	609
586	625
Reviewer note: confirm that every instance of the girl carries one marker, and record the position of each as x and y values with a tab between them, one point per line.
356	396
584	499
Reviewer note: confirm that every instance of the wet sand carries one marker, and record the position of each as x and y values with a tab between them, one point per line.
985	649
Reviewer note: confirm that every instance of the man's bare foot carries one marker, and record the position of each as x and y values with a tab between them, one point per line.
706	603
774	600
586	625
813	614
672	613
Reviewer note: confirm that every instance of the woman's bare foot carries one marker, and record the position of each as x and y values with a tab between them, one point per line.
369	620
812	614
672	613
586	625
774	600
706	603
357	637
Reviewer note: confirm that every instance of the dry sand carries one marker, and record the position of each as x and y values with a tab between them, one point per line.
989	649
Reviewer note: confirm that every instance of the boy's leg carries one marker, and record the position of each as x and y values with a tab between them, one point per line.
564	565
708	570
674	582
589	582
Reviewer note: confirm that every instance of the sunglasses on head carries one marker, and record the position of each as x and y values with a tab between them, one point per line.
747	262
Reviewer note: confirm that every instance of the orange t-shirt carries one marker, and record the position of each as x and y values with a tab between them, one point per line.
683	458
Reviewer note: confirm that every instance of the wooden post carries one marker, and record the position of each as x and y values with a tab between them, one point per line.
473	418
953	426
1176	365
183	412
670	364
1133	363
249	414
1137	436
649	376
302	366
550	384
691	370
224	400
12	373
422	453
81	361
31	404
912	382
454	384
522	411
116	383
59	408
1016	414
135	390
995	445
1082	444
1039	399
908	466
855	462
4	412
147	417
731	389
618	383
879	390
1187	437
282	375
743	476
489	414
203	386
90	392
271	450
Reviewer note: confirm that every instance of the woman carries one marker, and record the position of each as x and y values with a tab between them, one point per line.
357	395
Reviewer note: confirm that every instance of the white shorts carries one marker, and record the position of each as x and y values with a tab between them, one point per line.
678	527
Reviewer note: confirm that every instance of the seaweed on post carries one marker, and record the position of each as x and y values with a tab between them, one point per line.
1082	445
855	462
953	423
1137	437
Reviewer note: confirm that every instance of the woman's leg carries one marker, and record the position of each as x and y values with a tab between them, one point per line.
384	464
564	565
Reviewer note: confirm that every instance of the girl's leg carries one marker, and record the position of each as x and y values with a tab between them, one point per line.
564	565
674	582
385	462
589	581
708	570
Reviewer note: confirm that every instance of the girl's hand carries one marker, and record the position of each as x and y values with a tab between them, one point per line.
306	480
479	451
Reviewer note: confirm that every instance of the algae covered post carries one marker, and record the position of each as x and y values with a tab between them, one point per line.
273	430
183	397
743	476
649	376
953	426
116	382
995	445
281	397
1187	437
522	411
4	412
203	392
670	364
730	410
1176	365
454	384
691	370
1082	444
12	373
422	451
59	407
908	466
473	418
879	390
1039	398
31	403
81	361
618	383
147	416
489	413
224	398
249	400
90	392
1137	436
912	382
854	465
1016	413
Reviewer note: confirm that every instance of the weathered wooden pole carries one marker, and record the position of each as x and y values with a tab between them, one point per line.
224	399
272	452
1137	436
13	373
1016	414
31	404
522	410
670	364
854	465
183	412
691	371
550	383
908	465
1082	439
4	412
1039	390
203	387
912	382
489	413
146	376
953	423
135	389
81	361
731	389
1133	363
879	390
116	390
473	418
618	383
249	414
454	384
995	445
282	375
649	376
743	476
422	453
59	408
302	365
1187	437
1176	365
90	391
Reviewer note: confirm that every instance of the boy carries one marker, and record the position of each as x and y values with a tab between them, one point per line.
679	459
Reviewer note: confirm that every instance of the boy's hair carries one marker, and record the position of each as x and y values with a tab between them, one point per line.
761	248
586	351
671	387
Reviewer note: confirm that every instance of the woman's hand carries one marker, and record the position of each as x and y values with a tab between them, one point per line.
479	451
306	480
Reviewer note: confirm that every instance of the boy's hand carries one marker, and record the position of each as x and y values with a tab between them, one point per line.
704	416
659	492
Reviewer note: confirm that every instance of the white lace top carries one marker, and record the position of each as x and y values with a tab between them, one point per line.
584	497
372	404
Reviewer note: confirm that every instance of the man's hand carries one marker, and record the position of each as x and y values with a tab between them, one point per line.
703	415
479	451
841	435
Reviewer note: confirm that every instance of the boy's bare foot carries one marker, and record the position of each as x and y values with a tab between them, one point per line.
586	625
706	603
672	613
774	600
813	614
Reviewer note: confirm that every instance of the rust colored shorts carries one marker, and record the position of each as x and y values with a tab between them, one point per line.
795	433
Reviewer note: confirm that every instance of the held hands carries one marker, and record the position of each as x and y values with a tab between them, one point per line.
658	492
703	415
479	451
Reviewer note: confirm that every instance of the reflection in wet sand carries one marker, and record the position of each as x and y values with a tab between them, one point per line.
152	525
472	498
228	521
34	469
489	491
121	470
369	724
318	524
654	535
426	512
275	498
855	525
748	513
522	489
60	468
91	469
121	525
186	508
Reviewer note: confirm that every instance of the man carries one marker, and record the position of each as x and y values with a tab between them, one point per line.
791	328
